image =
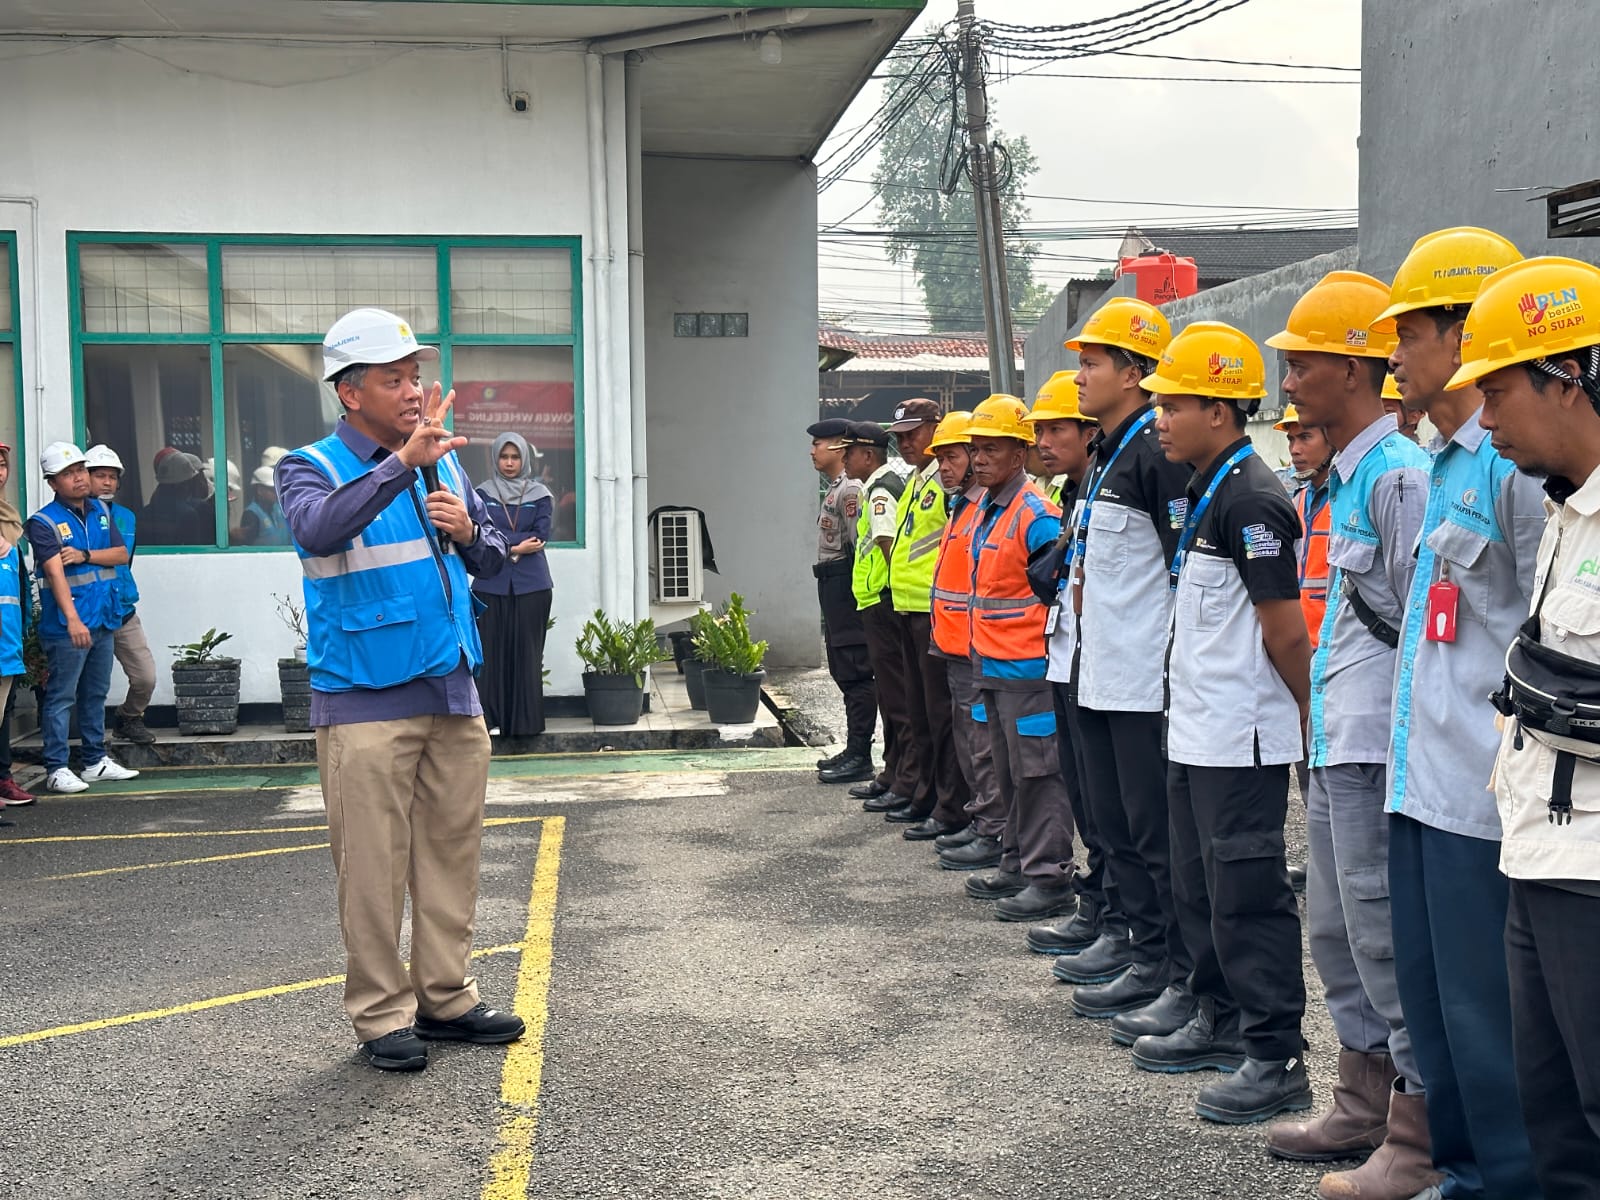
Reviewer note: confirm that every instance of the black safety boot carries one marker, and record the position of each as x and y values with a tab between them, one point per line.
1203	1044
1068	937
995	885
1036	902
1256	1091
1167	1013
852	768
1109	956
1134	988
978	853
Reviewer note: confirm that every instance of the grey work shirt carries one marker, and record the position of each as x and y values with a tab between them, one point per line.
1481	531
1377	491
836	522
1228	705
323	518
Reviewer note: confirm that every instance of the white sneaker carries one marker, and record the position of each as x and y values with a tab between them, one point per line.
108	768
63	780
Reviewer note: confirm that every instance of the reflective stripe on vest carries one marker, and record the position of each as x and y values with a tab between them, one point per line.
952	583
387	608
869	574
94	591
921	518
1007	619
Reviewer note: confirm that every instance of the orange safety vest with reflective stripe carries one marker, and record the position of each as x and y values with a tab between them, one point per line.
952	582
1314	524
1007	619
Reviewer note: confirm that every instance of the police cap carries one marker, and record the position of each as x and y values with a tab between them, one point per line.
835	428
868	433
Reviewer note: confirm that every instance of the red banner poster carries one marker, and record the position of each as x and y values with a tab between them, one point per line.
540	412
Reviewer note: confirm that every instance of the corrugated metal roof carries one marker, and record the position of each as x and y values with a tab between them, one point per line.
1227	254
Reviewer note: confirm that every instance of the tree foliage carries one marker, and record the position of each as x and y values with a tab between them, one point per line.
915	152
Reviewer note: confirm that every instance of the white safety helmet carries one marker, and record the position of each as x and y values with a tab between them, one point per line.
372	336
263	477
235	487
271	456
102	455
57	457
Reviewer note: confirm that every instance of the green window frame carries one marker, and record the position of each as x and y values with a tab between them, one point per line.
216	338
11	337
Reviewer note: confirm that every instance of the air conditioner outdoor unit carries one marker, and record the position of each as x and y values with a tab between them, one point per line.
676	569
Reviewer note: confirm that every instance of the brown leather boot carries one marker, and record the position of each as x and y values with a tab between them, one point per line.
1401	1167
1354	1127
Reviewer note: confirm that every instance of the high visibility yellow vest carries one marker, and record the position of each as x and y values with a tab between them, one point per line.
870	573
921	518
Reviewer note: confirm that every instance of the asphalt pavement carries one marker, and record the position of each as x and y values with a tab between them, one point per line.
753	990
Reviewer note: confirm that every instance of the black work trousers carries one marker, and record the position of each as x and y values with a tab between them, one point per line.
1090	883
898	691
1553	956
1238	913
849	662
945	798
1126	771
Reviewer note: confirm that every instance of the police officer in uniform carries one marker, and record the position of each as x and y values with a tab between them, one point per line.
1238	687
866	460
846	639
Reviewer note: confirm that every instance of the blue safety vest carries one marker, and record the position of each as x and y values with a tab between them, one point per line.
274	529
127	590
387	607
94	589
11	613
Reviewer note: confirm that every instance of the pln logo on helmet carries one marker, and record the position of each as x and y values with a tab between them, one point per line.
1221	365
1551	306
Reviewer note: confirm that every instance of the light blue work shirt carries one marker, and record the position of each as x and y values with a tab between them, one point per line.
1481	531
1377	492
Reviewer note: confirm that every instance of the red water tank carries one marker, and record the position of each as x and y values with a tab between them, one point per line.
1159	276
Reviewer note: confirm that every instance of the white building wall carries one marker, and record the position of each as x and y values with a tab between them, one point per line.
178	137
727	416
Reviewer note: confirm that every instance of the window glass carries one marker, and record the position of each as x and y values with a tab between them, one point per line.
504	290
152	405
305	289
8	398
144	288
526	390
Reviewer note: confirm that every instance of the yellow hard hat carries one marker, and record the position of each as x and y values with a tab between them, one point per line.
952	430
1001	417
1536	308
1447	268
1210	359
1391	389
1341	315
1128	324
1058	400
1291	416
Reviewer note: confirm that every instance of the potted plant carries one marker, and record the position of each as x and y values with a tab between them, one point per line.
206	685
617	654
294	675
693	663
732	675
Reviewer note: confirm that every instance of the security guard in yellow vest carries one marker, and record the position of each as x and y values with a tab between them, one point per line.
921	517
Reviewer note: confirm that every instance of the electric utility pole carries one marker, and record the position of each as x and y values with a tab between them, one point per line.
986	203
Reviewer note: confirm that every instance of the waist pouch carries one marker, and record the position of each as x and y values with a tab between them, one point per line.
832	568
1557	695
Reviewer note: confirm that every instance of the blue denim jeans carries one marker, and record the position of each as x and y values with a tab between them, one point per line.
78	679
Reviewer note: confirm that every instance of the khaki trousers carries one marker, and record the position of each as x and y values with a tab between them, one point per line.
132	649
405	812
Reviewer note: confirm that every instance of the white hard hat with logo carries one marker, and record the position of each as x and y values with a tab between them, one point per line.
57	457
370	336
102	456
263	477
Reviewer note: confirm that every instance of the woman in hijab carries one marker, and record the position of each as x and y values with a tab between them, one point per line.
511	684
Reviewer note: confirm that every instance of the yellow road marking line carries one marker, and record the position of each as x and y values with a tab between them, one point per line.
183	833
178	1010
180	862
524	1066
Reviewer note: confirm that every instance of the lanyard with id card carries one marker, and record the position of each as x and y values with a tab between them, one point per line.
1443	597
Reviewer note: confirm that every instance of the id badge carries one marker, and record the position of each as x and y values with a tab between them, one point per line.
1052	619
1442	599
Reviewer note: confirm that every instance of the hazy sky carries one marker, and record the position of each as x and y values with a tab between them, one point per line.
1134	143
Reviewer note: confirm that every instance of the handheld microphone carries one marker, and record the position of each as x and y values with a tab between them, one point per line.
430	481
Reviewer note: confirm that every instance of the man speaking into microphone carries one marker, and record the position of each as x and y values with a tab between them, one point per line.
387	527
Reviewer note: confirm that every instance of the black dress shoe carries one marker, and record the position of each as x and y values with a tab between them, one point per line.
1297	876
995	885
883	802
483	1025
1134	988
960	837
1167	1013
870	790
852	768
398	1050
1036	902
980	852
1256	1091
906	814
1109	956
1071	936
929	829
1204	1044
831	759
